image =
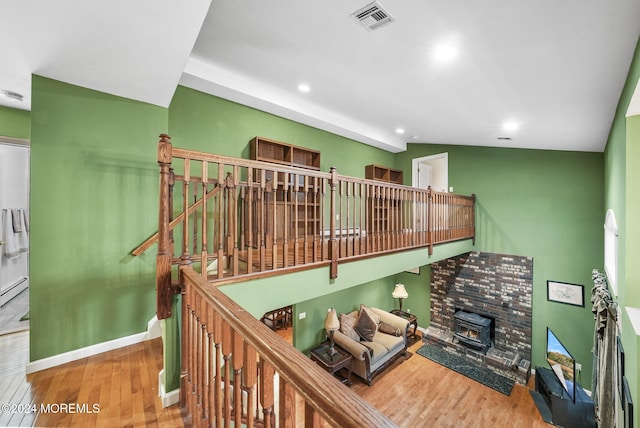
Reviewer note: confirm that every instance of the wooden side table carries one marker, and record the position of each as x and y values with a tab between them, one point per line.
333	363
413	321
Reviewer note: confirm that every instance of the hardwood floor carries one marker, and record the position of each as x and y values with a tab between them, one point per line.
118	388
414	392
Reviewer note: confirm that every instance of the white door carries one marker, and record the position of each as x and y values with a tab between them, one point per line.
424	175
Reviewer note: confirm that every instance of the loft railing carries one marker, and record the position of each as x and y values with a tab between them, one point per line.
235	219
236	371
238	219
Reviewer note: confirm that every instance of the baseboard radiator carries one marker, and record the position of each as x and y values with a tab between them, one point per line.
8	293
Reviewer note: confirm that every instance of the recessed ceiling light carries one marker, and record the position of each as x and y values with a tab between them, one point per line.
399	131
303	87
445	52
14	96
510	126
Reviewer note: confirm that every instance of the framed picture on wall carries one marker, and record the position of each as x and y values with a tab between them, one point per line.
563	292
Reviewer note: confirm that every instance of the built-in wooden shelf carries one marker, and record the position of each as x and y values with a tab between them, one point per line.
303	213
383	173
267	150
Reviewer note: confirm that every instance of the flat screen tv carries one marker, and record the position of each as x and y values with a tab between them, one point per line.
562	364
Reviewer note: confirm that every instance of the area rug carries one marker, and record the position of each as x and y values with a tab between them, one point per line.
467	368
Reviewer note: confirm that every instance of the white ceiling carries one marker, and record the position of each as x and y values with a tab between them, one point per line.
557	68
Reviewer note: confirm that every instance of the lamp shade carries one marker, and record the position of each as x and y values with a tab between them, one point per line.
331	322
400	292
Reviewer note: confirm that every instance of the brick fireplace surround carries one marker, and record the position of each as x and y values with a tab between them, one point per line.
496	286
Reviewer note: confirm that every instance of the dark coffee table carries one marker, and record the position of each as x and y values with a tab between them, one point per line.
333	363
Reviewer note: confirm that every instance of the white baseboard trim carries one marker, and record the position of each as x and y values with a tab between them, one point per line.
167	398
153	331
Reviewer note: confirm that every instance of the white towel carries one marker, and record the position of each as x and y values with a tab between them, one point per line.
11	249
23	235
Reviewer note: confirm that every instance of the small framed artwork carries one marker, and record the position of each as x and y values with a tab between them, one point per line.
563	292
620	355
627	404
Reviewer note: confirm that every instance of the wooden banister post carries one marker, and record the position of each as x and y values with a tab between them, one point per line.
430	220
333	243
164	293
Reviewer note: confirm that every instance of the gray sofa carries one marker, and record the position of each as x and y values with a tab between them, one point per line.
372	357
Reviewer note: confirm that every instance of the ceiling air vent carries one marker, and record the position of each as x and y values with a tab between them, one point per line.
372	16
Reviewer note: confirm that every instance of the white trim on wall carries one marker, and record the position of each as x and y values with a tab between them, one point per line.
153	331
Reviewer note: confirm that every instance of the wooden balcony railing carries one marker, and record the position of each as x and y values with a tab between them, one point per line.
236	219
238	372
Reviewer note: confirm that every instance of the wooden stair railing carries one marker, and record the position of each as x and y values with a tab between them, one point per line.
242	219
176	221
237	371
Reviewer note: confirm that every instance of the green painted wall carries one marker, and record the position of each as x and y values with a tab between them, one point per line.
310	330
418	287
544	204
203	122
622	190
15	123
94	197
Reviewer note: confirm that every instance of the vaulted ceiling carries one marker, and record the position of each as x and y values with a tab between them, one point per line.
541	74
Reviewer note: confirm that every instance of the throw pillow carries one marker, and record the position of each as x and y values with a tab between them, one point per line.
389	329
347	327
366	327
375	317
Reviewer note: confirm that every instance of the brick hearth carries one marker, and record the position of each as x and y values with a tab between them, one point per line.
497	286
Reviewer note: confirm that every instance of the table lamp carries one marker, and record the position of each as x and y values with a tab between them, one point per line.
400	293
331	324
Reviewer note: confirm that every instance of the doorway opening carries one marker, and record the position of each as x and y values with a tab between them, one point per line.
14	235
431	171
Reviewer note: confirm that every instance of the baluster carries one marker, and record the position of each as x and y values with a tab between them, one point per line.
238	361
233	214
430	221
313	190
193	326
250	226
249	381
185	258
363	228
274	245
261	223
202	347
209	376
311	417
204	254
333	253
290	215
287	405
266	392
305	194
219	221
226	375
217	377
340	217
